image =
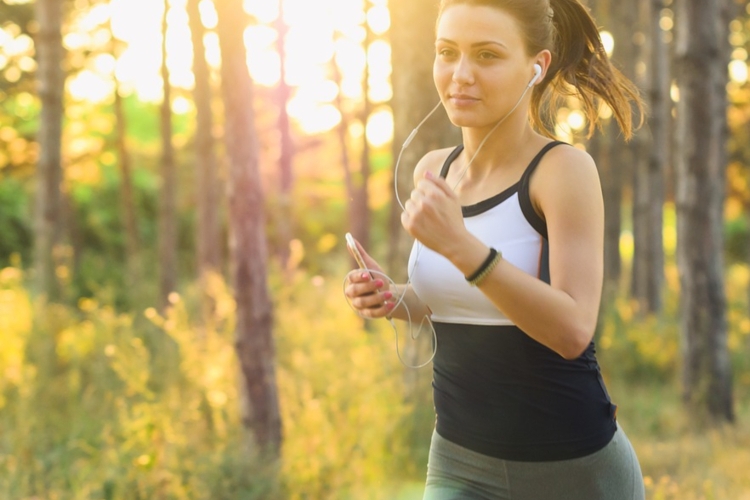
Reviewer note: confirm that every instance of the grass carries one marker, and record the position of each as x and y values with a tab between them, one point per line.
100	404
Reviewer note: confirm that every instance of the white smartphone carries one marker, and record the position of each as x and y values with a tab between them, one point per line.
355	251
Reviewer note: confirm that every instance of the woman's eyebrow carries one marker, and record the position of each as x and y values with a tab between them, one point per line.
474	45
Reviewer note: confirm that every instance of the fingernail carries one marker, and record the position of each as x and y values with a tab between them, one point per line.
390	306
387	295
379	283
365	276
429	175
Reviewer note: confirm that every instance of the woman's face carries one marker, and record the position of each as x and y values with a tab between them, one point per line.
481	67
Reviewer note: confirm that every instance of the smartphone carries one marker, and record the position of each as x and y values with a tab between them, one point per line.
354	250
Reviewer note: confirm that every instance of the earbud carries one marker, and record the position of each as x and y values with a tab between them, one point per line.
537	74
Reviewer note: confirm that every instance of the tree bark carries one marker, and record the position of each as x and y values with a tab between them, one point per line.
206	166
602	148
701	162
286	155
648	199
51	85
167	197
127	196
254	330
617	182
360	205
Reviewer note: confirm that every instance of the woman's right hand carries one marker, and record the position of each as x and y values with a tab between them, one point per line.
368	291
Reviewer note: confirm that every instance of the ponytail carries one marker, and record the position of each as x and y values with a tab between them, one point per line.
580	67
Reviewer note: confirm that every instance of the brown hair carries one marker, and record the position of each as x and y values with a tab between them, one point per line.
580	66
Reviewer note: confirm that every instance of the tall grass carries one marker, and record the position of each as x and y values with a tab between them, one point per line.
99	404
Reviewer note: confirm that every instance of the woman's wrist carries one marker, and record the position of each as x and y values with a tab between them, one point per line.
468	255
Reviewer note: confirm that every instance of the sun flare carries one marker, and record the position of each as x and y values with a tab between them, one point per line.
319	35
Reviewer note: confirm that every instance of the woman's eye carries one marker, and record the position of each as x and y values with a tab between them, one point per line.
487	55
445	52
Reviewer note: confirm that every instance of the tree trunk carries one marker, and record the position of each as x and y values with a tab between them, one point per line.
648	196
413	37
254	330
600	149
360	205
356	182
286	156
701	125
127	196
51	85
624	156
342	131
206	166
603	150
167	197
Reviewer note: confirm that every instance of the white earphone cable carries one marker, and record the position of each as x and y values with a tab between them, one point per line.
392	285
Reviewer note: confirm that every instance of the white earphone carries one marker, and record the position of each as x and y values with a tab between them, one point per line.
537	74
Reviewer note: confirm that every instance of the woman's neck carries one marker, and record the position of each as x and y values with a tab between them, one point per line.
501	148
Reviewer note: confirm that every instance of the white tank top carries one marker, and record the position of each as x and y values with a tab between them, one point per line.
506	222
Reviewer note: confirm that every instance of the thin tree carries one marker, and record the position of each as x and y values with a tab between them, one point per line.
701	163
168	194
360	205
207	191
286	143
254	325
648	195
617	170
51	85
127	196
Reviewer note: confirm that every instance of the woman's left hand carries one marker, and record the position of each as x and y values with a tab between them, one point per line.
433	215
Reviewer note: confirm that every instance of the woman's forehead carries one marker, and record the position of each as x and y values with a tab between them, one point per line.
471	24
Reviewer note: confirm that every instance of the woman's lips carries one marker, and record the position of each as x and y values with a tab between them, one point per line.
462	100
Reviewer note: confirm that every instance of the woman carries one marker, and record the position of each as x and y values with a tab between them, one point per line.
508	261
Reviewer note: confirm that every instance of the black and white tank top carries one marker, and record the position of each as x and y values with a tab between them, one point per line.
507	222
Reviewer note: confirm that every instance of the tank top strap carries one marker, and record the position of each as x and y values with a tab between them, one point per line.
524	197
451	157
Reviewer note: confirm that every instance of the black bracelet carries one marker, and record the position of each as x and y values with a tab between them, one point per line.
487	262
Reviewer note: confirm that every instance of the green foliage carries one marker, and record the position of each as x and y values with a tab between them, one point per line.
737	234
15	230
341	396
96	403
91	410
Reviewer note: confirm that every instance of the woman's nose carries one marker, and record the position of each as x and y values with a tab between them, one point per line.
462	72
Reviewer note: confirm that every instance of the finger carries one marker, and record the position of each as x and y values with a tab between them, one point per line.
358	276
382	311
372	301
417	195
406	221
366	288
410	207
440	183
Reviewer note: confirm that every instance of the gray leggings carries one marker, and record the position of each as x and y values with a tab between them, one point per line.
612	473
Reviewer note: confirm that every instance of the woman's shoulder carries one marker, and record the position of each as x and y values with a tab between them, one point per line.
564	174
432	161
565	163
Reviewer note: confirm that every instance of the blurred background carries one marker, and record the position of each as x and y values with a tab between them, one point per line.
176	177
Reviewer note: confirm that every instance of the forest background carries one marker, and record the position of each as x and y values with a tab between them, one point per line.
172	323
